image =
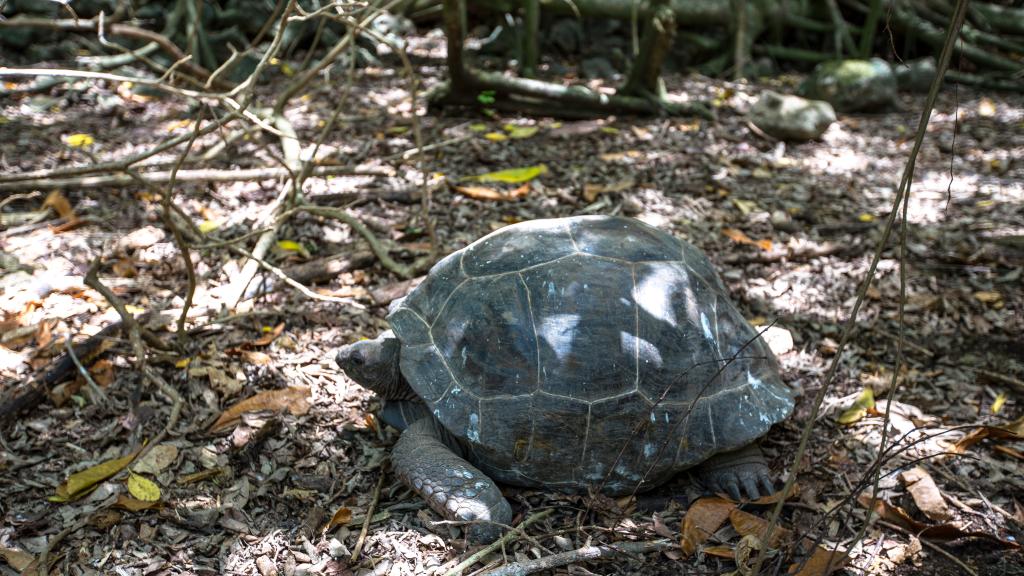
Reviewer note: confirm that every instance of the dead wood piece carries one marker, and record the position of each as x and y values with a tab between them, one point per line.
37	389
580	555
499	543
125	30
402	196
325	269
164	176
1002	379
379	250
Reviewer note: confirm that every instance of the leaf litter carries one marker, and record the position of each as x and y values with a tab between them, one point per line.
964	314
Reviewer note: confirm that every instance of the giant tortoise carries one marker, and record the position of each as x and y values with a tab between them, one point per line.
590	352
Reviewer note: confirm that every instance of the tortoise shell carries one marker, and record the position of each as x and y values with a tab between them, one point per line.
587	350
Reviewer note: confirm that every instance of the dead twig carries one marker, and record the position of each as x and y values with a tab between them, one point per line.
164	176
366	521
499	543
932	545
97	394
125	30
376	247
898	201
580	555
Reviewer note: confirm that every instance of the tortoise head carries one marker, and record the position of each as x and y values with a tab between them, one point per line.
373	363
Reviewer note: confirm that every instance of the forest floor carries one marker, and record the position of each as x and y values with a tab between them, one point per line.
285	490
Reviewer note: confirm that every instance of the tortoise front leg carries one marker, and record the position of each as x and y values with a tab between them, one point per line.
744	468
425	460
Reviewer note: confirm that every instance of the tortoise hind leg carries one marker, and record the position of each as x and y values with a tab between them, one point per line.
744	468
425	459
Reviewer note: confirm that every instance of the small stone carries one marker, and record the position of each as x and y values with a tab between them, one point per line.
916	75
853	85
788	117
597	67
337	549
631	205
266	567
778	339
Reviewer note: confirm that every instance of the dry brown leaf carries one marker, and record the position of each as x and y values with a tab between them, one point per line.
125	268
821	563
942	532
620	156
926	494
269	337
749	525
294	399
44	333
592	191
255	357
486	193
660	528
17	559
60	205
794	491
134	505
341	517
720	551
740	237
702	520
105	518
1009	451
220	381
1011	432
156	460
102	372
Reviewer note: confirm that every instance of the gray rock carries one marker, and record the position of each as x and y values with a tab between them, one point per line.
597	67
788	117
916	75
853	85
566	36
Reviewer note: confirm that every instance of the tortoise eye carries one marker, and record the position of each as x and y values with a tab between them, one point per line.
357	359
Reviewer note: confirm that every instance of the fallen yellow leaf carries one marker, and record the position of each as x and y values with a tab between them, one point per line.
495	136
143	488
78	483
511	176
860	408
997	404
207	226
520	132
79	140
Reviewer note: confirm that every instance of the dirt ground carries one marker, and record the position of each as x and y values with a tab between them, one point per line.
287	489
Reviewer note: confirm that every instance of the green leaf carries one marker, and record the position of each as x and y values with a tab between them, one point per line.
486	97
512	175
289	245
519	132
864	404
